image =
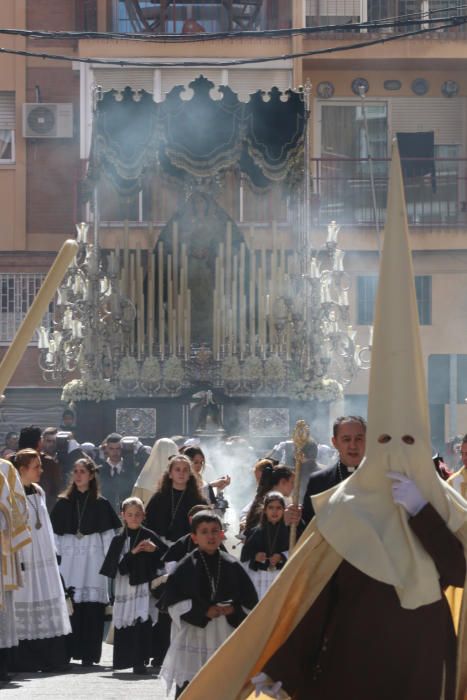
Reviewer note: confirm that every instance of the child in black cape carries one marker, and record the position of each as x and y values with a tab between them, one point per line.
133	560
266	548
206	597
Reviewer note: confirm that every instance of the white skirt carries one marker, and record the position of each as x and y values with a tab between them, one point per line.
132	603
262	580
40	606
190	646
82	560
8	636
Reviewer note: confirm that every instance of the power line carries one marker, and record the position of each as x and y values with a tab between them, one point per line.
202	62
388	22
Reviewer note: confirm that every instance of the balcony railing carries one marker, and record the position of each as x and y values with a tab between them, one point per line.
342	191
196	16
320	13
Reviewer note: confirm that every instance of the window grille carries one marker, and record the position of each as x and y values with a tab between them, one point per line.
7	126
17	292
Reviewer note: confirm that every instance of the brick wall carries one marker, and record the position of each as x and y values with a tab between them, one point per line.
28	373
52	164
51	15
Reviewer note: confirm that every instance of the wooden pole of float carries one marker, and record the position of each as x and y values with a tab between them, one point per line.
300	437
36	312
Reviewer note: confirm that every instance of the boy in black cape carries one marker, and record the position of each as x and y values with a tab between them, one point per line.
207	596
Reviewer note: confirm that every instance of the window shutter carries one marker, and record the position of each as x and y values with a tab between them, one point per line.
183	76
248	81
120	78
7	110
441	115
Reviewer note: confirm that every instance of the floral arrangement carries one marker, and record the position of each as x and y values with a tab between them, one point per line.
253	370
274	372
128	370
321	390
151	370
231	373
88	390
174	374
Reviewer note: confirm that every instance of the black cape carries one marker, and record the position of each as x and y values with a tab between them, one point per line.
183	546
97	515
159	513
260	539
142	567
190	581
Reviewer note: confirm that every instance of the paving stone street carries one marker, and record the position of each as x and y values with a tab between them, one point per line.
99	683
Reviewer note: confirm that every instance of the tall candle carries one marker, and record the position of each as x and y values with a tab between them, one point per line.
160	299
151	292
140	304
214	324
222	300
175	257
126	261
252	317
235	303
228	265
241	285
217	296
170	304
187	342
174	331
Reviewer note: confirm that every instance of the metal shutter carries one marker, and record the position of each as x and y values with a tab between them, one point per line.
247	81
439	114
119	78
183	76
7	110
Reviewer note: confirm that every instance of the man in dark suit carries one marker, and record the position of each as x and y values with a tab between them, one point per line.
348	438
124	457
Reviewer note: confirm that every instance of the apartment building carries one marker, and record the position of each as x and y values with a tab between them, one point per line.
412	85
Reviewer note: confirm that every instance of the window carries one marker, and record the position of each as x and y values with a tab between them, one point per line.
423	291
366	295
343	179
17	292
7	127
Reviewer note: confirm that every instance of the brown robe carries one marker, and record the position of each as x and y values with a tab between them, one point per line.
356	641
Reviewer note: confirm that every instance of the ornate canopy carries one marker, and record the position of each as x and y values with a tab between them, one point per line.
199	138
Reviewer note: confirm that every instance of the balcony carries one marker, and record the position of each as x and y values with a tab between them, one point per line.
194	16
342	192
320	13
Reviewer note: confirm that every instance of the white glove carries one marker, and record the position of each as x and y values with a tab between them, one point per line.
264	684
406	493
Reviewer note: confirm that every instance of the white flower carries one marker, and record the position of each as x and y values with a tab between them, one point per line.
174	374
274	370
151	370
321	390
231	369
128	370
88	390
253	369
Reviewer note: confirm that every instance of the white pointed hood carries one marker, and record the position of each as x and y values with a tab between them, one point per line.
358	517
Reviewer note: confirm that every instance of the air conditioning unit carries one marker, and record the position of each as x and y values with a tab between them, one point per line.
42	120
